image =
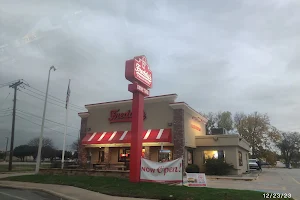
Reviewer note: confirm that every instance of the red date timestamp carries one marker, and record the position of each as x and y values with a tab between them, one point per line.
277	195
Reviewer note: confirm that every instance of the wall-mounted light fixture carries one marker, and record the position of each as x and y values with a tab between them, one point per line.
89	129
170	124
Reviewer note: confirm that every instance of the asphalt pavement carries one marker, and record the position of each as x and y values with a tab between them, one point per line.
18	194
273	180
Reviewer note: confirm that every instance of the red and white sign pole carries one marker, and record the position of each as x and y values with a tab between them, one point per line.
138	72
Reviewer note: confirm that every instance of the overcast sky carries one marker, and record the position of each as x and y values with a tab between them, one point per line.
216	55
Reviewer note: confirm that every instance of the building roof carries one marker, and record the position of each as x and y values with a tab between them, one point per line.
189	109
168	97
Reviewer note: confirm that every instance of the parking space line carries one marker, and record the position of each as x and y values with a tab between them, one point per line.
9	195
296	181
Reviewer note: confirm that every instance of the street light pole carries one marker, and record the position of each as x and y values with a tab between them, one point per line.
38	159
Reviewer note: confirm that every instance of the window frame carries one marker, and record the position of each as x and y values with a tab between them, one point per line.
191	151
170	154
123	149
223	153
240	157
101	156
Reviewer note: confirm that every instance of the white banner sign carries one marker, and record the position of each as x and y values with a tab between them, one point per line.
196	180
161	171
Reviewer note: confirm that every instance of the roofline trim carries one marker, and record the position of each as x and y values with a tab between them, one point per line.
174	96
182	103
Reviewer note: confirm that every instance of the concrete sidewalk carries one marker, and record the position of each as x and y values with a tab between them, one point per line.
10	174
63	191
232	178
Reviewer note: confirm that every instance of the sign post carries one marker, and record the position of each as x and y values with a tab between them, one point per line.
137	71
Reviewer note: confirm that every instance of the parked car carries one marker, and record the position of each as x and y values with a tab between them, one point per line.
253	164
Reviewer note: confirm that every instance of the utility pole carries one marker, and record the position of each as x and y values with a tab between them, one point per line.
15	87
6	149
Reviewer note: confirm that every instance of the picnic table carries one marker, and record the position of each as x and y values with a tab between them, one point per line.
100	166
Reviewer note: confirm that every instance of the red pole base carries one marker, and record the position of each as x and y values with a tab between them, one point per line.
137	128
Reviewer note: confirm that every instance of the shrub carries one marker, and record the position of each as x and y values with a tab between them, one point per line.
217	167
191	168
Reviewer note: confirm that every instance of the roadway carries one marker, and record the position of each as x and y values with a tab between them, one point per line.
18	194
24	163
273	180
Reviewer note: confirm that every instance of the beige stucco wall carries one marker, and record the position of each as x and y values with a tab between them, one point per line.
159	114
190	133
231	157
221	140
95	154
230	144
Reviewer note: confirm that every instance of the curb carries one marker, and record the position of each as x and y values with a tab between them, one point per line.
40	189
20	172
232	178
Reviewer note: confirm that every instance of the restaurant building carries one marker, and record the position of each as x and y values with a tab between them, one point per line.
171	130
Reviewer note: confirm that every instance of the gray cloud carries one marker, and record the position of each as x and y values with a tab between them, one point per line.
236	55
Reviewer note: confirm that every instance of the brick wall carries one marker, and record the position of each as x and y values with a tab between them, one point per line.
178	134
82	153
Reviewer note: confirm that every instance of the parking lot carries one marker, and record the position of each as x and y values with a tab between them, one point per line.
273	180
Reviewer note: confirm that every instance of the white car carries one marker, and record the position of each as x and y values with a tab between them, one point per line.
253	164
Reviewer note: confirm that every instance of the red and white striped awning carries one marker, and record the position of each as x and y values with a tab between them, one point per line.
149	136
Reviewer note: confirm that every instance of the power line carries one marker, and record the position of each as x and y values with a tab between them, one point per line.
45	126
4	100
54	99
6	109
51	96
6	115
48	101
10	82
30	114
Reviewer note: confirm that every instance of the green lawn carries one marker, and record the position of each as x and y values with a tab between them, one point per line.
21	168
122	187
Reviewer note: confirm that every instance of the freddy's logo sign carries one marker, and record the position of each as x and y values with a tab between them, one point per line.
117	116
137	70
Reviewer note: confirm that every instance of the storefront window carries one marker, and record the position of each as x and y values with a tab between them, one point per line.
190	156
214	154
240	158
164	155
124	155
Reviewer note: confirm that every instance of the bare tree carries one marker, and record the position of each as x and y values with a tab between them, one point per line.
47	142
75	145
